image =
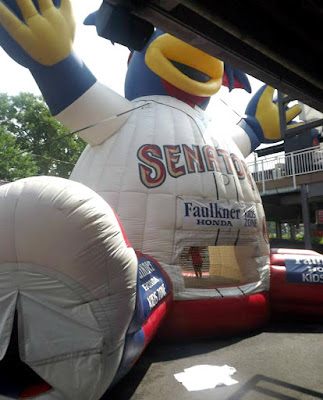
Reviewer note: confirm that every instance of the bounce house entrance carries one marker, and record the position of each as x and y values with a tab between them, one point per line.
17	379
214	266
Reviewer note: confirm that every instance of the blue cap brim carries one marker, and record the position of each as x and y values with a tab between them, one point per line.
90	19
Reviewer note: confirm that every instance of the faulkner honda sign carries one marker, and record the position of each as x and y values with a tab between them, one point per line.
221	214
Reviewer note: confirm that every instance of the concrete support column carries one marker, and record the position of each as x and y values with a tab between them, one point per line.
292	231
306	217
278	230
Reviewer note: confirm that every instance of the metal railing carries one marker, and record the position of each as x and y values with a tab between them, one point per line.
285	165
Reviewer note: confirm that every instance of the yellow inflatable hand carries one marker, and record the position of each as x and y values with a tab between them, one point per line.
266	113
48	36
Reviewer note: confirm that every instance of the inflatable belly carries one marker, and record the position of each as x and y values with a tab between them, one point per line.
176	183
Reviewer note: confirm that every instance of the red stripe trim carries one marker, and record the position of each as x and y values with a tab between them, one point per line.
216	317
293	251
34	391
156	318
278	256
125	237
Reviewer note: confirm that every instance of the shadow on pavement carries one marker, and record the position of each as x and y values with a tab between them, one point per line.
252	386
286	326
269	387
159	351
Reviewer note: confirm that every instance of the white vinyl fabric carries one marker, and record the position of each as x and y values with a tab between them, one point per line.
160	173
66	269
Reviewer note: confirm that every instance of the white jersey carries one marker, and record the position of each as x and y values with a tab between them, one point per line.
174	181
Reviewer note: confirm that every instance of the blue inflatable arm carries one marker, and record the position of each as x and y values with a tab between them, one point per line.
39	36
261	122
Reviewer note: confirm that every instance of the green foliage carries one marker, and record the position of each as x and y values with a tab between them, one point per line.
14	164
53	151
317	240
271	229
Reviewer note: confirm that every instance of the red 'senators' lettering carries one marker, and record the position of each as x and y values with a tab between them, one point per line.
152	171
226	159
193	159
172	155
178	160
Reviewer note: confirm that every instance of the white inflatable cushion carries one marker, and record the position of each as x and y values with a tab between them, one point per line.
66	268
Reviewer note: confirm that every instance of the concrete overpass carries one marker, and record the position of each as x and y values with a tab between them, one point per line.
292	191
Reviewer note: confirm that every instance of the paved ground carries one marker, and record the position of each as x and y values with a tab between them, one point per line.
283	362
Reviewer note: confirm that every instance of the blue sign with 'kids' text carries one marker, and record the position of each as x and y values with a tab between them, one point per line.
304	269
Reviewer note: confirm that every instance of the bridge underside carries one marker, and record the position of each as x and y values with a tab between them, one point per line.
289	204
278	43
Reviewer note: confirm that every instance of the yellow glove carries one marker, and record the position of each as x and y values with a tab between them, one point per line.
47	37
267	114
262	115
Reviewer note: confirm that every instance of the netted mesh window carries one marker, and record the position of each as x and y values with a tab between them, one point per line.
219	265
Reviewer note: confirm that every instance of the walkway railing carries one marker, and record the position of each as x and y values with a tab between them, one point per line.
287	165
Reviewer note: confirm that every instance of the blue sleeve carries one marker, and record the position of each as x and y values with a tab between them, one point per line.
247	126
63	83
60	84
250	124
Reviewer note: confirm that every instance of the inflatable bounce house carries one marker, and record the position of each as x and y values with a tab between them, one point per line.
160	228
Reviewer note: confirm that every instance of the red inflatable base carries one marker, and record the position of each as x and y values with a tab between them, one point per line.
216	317
290	300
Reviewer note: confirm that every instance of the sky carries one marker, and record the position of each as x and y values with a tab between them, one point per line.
109	64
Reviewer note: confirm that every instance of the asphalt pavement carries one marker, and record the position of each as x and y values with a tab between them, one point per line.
284	361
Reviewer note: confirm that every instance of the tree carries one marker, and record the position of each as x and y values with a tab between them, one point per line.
53	150
14	163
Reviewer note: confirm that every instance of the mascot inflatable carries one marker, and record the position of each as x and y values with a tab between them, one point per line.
79	303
